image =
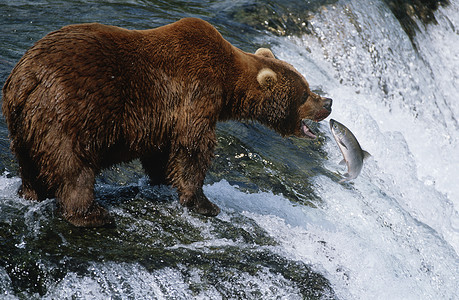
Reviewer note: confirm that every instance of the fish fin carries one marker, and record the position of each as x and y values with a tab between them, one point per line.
365	154
343	162
341	142
346	178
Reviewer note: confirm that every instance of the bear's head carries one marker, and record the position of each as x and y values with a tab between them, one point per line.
285	100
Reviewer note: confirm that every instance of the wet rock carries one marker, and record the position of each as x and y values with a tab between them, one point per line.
408	11
281	18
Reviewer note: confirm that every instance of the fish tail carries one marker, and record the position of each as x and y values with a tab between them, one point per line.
347	177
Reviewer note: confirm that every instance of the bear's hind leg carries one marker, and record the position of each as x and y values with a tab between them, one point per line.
32	187
76	200
28	192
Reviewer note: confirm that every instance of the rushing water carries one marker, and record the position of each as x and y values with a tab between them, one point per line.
288	229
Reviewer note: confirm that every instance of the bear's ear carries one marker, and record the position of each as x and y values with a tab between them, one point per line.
264	52
266	77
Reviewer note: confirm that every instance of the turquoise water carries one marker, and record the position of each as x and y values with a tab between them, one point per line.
288	229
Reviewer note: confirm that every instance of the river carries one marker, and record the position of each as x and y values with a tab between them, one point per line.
288	229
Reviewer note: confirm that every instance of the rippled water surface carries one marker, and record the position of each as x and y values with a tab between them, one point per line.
288	229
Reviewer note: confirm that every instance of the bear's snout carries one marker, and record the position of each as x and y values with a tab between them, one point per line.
328	104
323	111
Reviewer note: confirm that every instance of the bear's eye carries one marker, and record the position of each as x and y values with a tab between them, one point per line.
304	98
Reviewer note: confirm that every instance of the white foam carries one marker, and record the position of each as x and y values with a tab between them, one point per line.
133	281
361	244
388	95
123	280
9	186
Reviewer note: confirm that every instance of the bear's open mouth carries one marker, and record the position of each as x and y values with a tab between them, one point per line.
306	130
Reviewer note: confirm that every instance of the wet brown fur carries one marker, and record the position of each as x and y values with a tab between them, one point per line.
89	96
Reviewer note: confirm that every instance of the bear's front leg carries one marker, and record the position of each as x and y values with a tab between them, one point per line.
187	170
199	203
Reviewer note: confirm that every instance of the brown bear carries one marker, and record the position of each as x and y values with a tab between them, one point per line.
88	96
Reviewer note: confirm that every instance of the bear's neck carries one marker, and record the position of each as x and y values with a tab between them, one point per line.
242	97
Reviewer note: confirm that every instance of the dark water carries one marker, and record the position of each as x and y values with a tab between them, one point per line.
287	229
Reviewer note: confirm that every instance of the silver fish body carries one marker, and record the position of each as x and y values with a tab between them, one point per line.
350	148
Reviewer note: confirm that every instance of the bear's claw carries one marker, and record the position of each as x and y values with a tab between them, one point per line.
96	216
208	209
199	203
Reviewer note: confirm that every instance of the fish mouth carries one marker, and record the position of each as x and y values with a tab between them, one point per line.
332	124
306	129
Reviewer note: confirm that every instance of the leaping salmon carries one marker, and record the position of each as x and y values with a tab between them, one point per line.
350	148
